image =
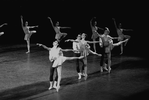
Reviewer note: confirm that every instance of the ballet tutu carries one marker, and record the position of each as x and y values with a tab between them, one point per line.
59	61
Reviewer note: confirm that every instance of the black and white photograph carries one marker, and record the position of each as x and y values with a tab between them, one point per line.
74	50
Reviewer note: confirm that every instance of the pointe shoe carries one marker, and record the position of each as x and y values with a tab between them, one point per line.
27	52
105	67
109	69
101	69
79	74
50	88
57	88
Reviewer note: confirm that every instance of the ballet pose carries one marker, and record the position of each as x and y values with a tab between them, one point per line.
59	35
27	32
121	36
107	45
95	34
57	59
84	51
1	33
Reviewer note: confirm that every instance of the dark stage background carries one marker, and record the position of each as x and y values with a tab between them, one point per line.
75	14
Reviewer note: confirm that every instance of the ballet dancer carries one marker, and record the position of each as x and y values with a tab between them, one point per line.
27	32
57	59
59	35
85	50
1	33
76	49
121	36
107	46
95	34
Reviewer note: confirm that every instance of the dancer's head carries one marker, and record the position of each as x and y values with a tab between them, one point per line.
57	24
26	23
83	36
95	23
107	31
120	25
79	37
55	43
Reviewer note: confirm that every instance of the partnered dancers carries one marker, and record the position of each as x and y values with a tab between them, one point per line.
84	51
27	32
59	35
57	59
107	45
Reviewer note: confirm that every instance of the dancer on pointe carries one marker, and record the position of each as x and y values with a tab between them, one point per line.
27	32
57	59
85	50
59	35
121	36
95	34
1	33
107	45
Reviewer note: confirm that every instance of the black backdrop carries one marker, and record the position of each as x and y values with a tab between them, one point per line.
75	14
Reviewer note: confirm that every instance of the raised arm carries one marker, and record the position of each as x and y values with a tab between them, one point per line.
51	22
45	47
3	24
22	24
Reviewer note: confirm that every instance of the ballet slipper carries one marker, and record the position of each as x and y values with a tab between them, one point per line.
79	74
57	88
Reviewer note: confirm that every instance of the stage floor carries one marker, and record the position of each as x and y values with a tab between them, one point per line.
26	77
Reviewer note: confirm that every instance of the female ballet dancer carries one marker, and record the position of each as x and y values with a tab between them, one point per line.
59	35
57	59
95	34
85	50
1	33
121	36
107	46
27	32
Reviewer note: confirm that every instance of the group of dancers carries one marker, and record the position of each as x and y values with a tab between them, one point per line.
81	49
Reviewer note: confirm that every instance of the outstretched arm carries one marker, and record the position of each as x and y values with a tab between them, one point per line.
3	24
33	26
67	50
73	58
71	40
43	46
93	41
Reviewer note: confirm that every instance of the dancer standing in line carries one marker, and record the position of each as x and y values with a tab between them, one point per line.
95	34
27	32
121	36
107	46
85	50
59	35
76	48
1	33
57	59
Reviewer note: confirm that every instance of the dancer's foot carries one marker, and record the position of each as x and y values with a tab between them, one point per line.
57	88
79	74
109	69
27	52
50	88
105	67
101	69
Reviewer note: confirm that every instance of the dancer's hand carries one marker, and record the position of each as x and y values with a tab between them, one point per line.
39	44
67	40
